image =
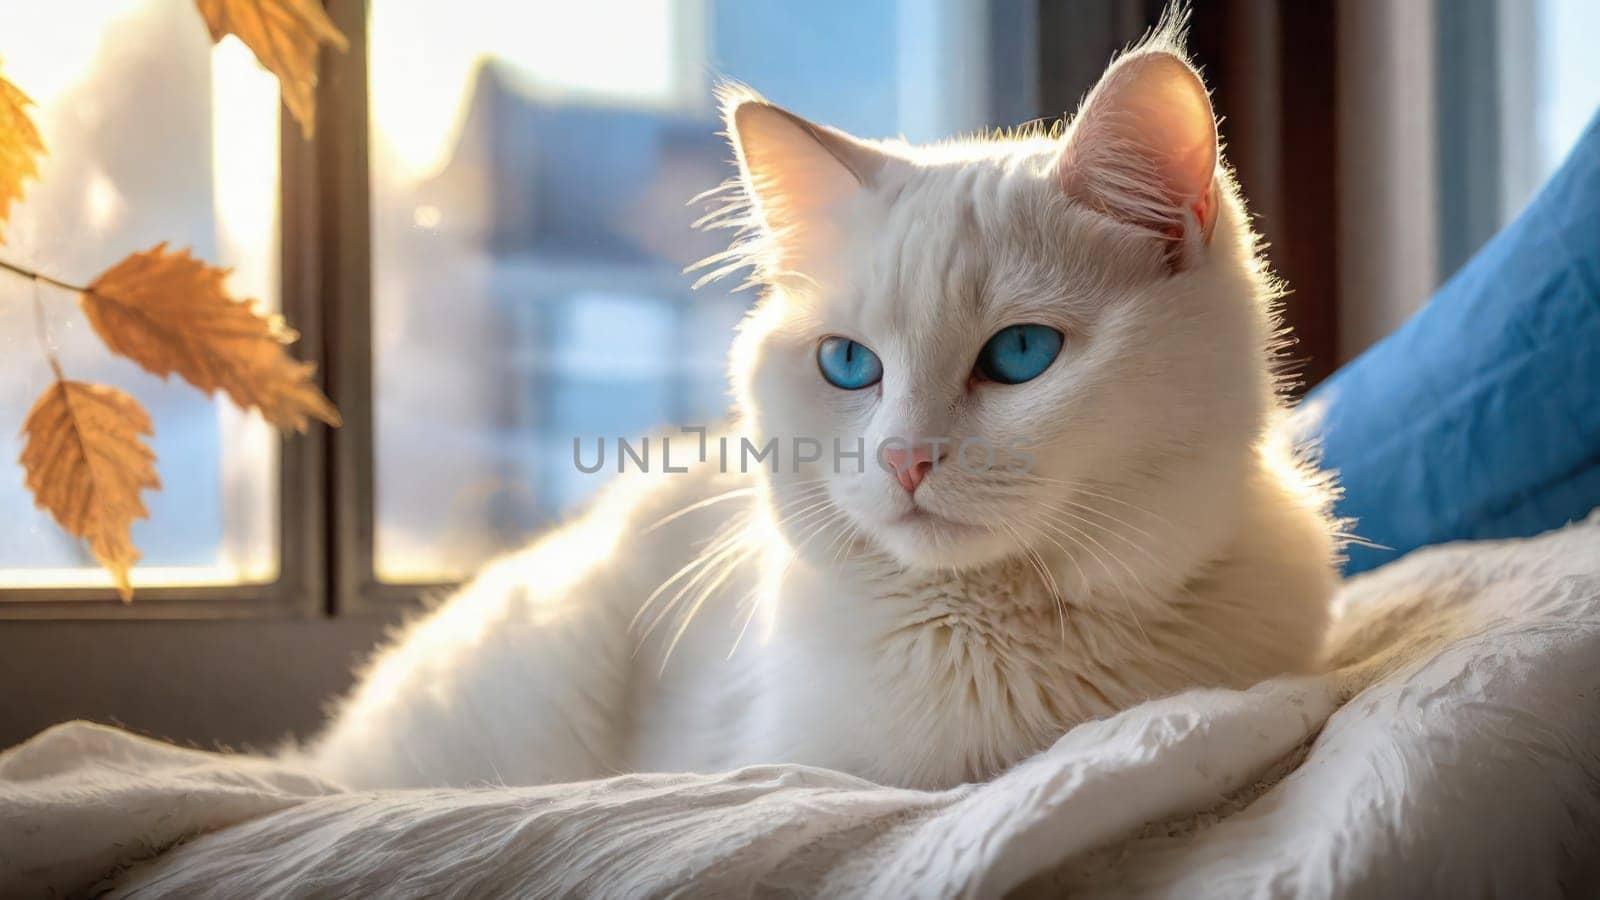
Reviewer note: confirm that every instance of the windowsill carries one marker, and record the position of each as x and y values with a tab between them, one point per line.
144	577
184	594
208	683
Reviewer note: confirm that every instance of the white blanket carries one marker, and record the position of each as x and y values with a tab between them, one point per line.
1454	752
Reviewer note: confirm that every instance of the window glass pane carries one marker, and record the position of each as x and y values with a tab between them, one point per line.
1549	88
1569	76
531	168
152	135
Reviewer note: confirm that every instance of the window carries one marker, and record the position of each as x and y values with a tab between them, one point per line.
1551	89
153	135
530	171
1517	82
1452	115
484	245
484	248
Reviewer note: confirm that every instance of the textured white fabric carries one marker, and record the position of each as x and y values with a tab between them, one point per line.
1466	761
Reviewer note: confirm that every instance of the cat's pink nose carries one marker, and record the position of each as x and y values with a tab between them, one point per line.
910	466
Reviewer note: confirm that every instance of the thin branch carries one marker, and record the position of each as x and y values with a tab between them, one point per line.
40	277
41	329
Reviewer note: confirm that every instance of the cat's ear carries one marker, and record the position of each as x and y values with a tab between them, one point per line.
1143	147
794	171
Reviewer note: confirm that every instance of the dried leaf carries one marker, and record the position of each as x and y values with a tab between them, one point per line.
285	36
86	465
20	146
170	313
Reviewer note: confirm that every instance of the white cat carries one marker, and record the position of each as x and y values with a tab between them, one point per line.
1093	300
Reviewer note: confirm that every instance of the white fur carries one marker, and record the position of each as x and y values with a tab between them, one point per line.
1459	760
1164	538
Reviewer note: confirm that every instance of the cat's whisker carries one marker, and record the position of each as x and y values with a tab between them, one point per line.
1079	486
1095	548
850	533
833	542
1107	515
805	495
1049	579
819	528
729	566
693	507
726	573
808	489
806	517
716	541
736	542
1133	614
1139	548
753	600
1055	594
808	508
1082	488
754	593
1083	579
729	535
1084	508
734	536
842	539
1037	522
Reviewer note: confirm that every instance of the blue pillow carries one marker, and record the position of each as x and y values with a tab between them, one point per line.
1480	417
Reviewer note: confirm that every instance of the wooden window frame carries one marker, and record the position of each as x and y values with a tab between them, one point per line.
325	238
339	182
326	511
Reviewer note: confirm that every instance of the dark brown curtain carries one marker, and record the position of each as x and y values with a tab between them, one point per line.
1271	68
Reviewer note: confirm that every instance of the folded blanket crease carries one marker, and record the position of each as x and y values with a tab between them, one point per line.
1452	750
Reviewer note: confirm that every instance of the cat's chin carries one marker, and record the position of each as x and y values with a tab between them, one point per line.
922	539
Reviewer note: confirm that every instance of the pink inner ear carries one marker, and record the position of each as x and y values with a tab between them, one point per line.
794	169
1144	146
1170	115
789	169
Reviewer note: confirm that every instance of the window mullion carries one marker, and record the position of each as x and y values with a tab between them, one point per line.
344	240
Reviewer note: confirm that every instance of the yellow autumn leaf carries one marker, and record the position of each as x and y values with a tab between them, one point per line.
86	464
285	36
171	313
20	146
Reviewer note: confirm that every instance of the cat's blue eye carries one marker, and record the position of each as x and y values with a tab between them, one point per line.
847	364
1019	353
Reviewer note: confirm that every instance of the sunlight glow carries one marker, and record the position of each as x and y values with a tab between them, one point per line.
1570	76
244	161
532	588
780	556
423	62
103	202
53	57
151	133
142	577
